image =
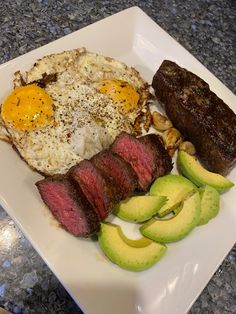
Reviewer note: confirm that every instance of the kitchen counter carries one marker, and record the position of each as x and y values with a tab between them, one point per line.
206	29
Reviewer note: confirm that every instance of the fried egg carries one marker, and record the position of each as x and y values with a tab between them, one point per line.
71	105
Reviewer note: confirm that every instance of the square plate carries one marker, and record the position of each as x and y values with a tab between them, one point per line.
98	286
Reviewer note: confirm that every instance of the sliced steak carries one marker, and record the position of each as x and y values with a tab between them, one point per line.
99	189
118	170
140	156
69	205
199	115
162	160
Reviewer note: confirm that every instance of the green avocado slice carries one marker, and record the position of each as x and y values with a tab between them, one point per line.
191	169
176	188
129	254
210	204
177	227
139	208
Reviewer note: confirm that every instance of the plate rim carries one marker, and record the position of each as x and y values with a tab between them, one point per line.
135	10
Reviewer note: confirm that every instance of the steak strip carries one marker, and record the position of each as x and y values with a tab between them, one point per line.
144	155
99	189
162	160
113	166
69	205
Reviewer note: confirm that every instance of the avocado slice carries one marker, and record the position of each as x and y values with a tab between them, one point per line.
191	169
210	204
175	188
139	208
128	254
177	227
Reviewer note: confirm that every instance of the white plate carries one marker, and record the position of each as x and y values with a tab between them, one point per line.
97	285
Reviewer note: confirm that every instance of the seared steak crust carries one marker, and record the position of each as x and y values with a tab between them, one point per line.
199	115
163	161
143	156
88	192
69	205
113	166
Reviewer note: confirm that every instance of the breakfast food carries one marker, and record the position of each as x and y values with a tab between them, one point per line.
123	175
98	185
210	204
187	147
98	188
193	170
176	196
163	162
160	122
146	155
76	117
69	106
69	205
199	115
176	227
129	254
175	188
139	208
3	132
172	139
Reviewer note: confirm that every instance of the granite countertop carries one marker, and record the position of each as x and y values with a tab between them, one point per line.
206	28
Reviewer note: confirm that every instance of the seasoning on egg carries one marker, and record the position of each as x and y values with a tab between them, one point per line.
27	108
38	120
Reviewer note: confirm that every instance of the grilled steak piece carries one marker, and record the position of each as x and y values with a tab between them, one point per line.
118	170
69	205
100	191
143	157
199	115
163	161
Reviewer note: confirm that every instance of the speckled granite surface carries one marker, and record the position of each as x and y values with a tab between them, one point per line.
206	28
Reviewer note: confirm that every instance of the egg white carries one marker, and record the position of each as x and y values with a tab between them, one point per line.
85	121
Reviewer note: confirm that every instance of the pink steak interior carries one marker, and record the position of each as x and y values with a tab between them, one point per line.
64	207
92	185
140	159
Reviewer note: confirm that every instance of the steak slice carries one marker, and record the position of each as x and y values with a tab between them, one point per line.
118	170
140	155
163	161
199	115
100	191
69	205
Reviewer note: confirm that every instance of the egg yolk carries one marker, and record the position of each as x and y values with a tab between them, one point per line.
122	93
27	108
